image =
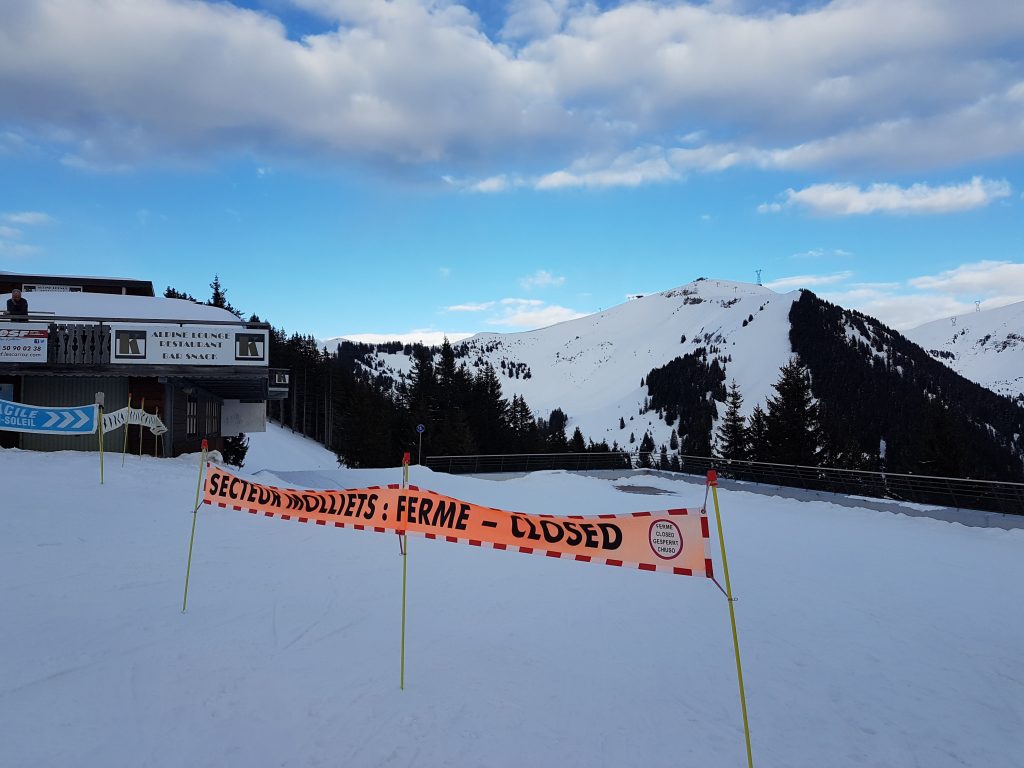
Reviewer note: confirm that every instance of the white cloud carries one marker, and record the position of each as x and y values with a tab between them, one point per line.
492	184
807	281
849	199
13	144
924	298
534	18
822	253
529	317
834	85
16	250
444	272
541	279
897	309
520	303
9	233
480	307
631	169
983	279
28	218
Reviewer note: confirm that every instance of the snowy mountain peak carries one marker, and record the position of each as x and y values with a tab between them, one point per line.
986	347
591	367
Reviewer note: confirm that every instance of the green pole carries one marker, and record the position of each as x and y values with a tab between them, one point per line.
195	511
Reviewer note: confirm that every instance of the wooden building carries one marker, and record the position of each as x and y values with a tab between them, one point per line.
203	371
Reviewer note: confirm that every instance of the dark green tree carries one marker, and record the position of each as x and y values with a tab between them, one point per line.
732	432
171	293
219	297
646	449
555	437
794	433
757	435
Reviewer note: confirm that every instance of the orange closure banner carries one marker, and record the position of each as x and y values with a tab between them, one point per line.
674	540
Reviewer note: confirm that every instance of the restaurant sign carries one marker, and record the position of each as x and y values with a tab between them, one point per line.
154	344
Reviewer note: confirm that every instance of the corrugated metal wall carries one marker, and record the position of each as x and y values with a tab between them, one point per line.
70	391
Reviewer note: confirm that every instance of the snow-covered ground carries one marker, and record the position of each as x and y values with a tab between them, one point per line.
868	639
281	449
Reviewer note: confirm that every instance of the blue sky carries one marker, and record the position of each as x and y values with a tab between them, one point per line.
407	167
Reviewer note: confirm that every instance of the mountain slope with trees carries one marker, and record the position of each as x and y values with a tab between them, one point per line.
809	383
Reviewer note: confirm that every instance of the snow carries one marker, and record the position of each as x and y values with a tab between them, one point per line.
868	638
591	367
986	347
106	305
282	449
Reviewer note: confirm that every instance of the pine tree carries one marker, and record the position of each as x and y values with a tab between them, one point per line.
732	434
525	434
556	439
646	449
422	385
489	412
219	297
794	432
171	293
577	444
757	435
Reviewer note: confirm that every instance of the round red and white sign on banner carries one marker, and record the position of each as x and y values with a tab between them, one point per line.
666	539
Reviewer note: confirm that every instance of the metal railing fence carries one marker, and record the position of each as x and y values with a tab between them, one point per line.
989	495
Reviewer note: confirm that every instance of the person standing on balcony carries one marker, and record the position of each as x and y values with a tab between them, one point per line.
16	305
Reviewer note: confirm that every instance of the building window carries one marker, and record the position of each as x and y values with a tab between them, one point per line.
211	418
192	417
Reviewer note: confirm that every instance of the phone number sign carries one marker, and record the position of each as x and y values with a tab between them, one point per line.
23	343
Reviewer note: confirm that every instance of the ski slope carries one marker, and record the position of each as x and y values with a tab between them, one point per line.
868	639
986	347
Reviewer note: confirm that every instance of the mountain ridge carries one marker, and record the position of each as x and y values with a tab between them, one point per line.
884	403
986	346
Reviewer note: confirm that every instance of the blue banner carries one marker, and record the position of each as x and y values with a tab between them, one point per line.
41	419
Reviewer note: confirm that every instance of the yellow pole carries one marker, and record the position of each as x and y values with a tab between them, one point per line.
142	432
124	451
101	444
405	570
713	482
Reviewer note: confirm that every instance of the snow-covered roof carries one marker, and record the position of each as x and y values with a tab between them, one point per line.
104	305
